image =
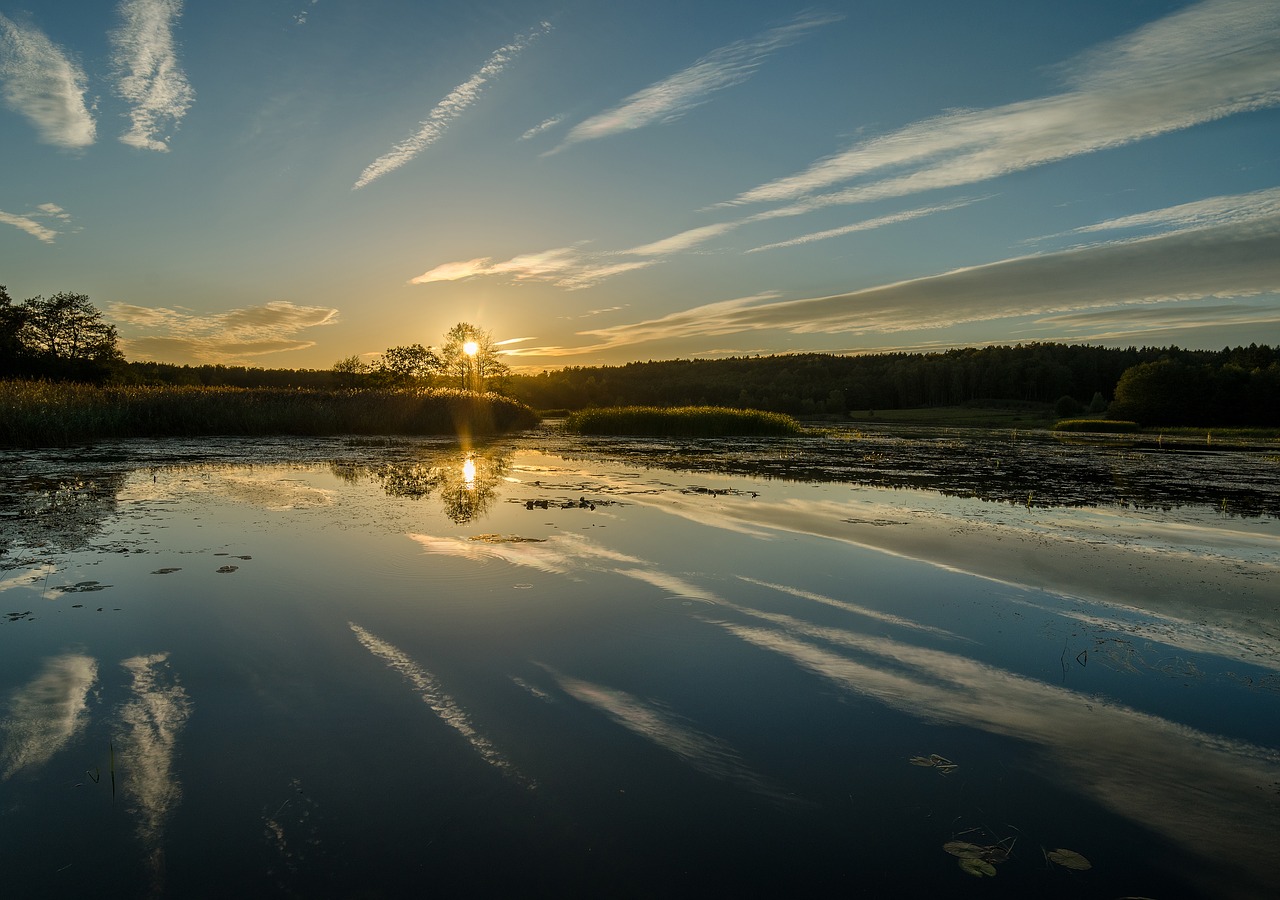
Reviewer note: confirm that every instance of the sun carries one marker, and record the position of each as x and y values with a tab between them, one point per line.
471	348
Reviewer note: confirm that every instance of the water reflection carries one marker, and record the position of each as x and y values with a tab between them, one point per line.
46	713
709	755
1128	761
466	487
1019	468
427	687
146	741
59	513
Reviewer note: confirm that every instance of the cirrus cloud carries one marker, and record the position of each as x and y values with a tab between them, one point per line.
455	103
44	84
236	335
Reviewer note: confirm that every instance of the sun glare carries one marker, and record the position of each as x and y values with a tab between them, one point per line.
471	348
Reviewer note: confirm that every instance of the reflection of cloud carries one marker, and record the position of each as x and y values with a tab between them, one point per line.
669	99
268	490
47	712
28	578
560	554
864	611
1205	62
707	754
150	77
429	690
458	101
1141	766
146	742
221	337
42	83
672	584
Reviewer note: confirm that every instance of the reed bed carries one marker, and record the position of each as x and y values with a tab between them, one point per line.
684	421
51	414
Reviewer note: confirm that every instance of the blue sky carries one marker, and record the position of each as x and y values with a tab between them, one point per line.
286	183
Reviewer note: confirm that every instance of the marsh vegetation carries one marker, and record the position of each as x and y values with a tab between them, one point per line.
36	413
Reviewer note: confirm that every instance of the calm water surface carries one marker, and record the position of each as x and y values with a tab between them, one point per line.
558	667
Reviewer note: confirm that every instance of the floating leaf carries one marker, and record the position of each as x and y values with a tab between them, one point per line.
996	854
964	849
934	761
1069	859
978	868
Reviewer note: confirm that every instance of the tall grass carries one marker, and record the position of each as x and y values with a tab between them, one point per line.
684	421
49	414
1101	426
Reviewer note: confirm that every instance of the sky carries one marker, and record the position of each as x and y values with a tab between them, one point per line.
288	183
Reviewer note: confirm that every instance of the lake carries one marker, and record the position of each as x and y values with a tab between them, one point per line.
873	663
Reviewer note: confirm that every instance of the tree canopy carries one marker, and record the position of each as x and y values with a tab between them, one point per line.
63	336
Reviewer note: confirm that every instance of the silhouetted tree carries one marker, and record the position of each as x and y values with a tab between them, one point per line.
12	350
477	369
350	372
66	337
406	366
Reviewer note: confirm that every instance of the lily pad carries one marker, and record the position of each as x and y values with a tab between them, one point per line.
964	849
226	569
978	868
1069	859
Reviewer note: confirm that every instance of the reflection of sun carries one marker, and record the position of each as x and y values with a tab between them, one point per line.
469	473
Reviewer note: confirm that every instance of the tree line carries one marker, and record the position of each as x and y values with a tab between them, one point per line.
1155	385
64	337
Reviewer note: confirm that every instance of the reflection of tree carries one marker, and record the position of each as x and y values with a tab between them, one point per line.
62	513
465	484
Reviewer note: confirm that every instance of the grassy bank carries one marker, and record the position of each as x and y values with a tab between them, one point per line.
45	414
684	421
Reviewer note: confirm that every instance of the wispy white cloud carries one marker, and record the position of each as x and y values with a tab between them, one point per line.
458	101
1205	62
669	99
30	226
571	268
43	83
300	17
162	333
149	75
31	222
1211	211
544	126
1233	260
865	225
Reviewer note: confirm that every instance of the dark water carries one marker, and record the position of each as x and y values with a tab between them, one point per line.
566	668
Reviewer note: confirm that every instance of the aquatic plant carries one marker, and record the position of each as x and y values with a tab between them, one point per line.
1108	426
48	414
683	421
